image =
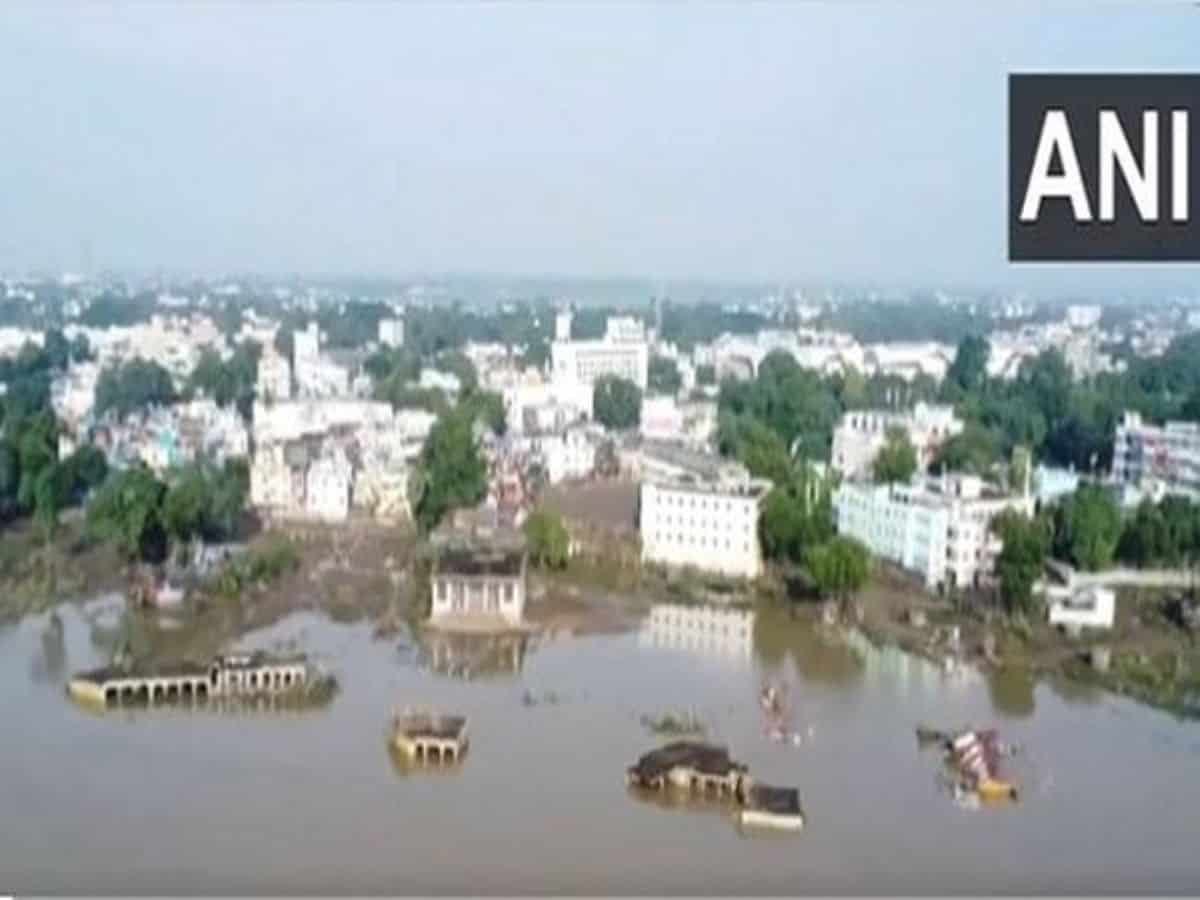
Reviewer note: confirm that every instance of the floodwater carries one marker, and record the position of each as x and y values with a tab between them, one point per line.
175	802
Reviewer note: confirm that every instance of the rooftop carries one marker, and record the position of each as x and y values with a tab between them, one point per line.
461	561
707	759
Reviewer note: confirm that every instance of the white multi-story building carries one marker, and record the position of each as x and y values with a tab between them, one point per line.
586	361
938	528
13	340
861	434
391	332
1167	455
625	330
562	325
274	376
567	454
531	403
73	393
315	373
1084	316
703	516
327	488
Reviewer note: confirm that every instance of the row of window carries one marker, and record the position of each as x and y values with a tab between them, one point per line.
694	502
667	537
454	591
704	523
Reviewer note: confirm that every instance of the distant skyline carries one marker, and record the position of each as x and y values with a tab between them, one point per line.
736	143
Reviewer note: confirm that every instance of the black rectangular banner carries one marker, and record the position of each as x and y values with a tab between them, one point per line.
1103	168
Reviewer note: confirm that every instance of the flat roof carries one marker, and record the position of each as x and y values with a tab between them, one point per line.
495	561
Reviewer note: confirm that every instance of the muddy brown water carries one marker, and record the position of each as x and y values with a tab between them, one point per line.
175	802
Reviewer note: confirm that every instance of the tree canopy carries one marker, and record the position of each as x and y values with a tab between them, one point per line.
897	458
664	377
1026	542
616	403
127	510
547	539
229	381
1088	527
454	473
132	386
839	567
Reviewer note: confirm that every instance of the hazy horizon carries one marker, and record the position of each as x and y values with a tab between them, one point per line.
859	143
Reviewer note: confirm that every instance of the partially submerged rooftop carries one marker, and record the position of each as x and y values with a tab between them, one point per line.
415	724
706	759
504	562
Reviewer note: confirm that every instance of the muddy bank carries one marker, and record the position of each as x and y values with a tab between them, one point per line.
1144	656
36	575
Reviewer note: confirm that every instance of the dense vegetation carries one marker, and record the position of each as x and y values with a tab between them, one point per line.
33	479
547	539
616	403
664	377
143	515
452	471
229	381
133	386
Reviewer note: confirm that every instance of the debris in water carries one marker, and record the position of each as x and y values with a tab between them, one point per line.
674	723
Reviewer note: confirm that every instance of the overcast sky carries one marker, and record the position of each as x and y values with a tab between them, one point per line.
792	141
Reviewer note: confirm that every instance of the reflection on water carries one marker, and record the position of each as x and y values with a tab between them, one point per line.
406	766
210	804
819	655
49	664
716	631
1012	690
906	672
469	656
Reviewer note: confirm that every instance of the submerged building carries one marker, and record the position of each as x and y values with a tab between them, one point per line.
484	586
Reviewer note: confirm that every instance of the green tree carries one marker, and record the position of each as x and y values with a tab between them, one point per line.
86	469
204	501
547	539
458	365
897	458
57	349
616	402
536	353
127	510
81	349
49	496
455	473
1019	564
1088	528
664	377
796	515
487	407
968	372
230	381
37	449
706	374
839	567
762	451
134	385
975	450
10	478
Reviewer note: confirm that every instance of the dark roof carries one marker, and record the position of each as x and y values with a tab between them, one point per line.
142	670
458	561
706	759
415	725
781	801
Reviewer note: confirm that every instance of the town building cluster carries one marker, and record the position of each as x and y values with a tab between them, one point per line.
319	448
